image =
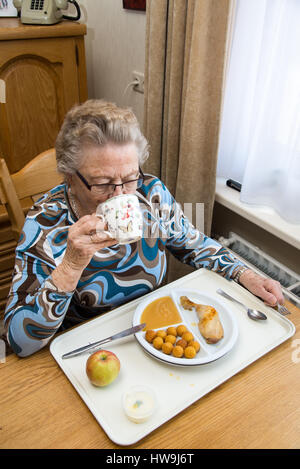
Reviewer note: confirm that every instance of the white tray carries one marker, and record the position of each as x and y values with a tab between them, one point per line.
176	387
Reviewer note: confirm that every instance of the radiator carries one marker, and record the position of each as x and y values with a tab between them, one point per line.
265	265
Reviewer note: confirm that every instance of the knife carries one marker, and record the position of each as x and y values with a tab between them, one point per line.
78	351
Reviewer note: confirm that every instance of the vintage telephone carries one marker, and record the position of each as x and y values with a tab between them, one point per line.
44	11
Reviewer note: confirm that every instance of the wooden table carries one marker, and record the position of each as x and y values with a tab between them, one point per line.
257	408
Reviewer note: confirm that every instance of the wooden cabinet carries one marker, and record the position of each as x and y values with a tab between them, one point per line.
44	73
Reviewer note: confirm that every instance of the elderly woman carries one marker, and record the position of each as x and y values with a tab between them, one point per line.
67	269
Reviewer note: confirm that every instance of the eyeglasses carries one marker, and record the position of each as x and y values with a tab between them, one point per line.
110	188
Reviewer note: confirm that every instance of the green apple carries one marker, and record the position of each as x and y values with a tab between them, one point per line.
102	367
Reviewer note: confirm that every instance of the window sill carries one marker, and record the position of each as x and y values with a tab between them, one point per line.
265	217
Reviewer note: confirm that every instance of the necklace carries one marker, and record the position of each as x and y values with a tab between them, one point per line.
73	203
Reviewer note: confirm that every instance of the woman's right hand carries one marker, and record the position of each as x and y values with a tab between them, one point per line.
85	237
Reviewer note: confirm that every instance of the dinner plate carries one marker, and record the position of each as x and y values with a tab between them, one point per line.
207	352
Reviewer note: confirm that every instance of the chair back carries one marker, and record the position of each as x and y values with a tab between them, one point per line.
34	179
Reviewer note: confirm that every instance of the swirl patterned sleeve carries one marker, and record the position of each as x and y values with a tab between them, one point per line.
187	243
35	308
198	250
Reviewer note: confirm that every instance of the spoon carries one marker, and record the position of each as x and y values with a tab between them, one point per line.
252	313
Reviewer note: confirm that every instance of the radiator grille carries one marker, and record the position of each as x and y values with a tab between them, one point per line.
265	265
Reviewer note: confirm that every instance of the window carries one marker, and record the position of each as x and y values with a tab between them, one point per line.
260	129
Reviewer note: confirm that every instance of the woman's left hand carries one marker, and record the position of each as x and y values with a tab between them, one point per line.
268	290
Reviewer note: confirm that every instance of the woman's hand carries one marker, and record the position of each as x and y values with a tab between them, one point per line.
267	289
85	237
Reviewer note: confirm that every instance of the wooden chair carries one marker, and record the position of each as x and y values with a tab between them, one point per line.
36	178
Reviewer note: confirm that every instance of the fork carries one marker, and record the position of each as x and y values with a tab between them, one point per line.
282	310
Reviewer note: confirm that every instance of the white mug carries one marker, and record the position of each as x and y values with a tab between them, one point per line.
123	216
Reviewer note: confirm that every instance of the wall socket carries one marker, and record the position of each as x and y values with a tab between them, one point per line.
140	77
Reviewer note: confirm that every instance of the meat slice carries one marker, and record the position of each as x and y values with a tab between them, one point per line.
210	326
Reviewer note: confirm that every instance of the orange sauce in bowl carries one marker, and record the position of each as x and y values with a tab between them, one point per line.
159	313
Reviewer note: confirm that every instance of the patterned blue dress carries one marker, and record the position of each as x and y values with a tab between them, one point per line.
37	309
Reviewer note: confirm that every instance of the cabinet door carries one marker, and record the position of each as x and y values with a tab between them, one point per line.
41	79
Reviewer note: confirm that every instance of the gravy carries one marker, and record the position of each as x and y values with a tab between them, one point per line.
160	313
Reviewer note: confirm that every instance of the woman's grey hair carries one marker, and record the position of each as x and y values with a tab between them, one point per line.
97	123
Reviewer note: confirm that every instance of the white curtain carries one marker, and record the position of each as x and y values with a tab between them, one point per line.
260	131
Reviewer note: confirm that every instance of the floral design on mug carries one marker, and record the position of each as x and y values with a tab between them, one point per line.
123	217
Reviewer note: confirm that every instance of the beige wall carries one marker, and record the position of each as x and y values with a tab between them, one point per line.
115	46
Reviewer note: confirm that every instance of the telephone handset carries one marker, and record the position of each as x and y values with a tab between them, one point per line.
45	11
